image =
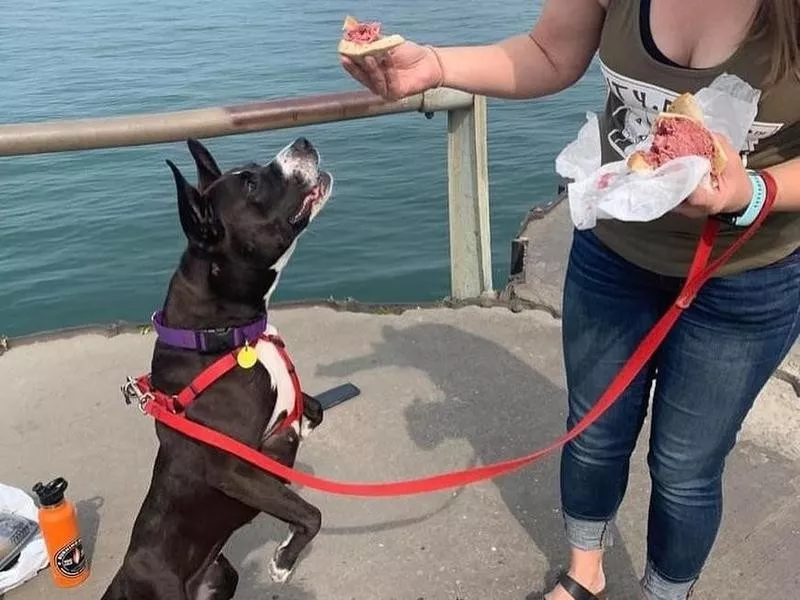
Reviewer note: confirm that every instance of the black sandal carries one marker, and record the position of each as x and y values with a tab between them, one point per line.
577	591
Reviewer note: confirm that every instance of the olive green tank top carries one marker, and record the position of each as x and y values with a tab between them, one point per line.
639	86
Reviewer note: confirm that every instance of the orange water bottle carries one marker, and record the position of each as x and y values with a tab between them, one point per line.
58	521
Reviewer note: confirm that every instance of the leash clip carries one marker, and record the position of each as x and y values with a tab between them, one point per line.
684	301
132	394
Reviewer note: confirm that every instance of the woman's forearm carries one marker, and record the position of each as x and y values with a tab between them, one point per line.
787	178
516	68
549	59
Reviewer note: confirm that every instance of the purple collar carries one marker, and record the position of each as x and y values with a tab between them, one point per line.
208	340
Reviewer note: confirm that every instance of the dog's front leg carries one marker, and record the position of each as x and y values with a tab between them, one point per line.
263	492
312	415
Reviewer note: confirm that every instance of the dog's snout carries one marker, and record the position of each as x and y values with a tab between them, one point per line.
300	159
302	144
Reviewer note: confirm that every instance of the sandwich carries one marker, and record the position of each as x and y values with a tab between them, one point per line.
680	131
363	39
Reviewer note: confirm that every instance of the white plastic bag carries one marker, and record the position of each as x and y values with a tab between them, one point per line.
33	557
612	191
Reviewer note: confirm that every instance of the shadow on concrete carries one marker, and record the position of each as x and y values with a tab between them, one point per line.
89	521
504	409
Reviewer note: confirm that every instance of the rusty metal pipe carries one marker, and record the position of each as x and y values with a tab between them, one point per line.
137	130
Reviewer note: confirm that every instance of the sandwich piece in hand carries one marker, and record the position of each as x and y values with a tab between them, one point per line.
680	131
363	39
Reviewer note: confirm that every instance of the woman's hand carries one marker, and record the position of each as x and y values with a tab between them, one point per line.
403	71
732	194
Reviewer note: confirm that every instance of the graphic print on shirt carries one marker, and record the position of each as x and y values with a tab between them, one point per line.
640	103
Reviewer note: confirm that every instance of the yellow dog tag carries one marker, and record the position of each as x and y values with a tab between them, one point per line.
247	357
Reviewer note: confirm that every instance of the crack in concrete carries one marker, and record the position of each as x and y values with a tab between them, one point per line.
790	378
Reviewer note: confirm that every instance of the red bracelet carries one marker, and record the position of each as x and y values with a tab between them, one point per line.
772	190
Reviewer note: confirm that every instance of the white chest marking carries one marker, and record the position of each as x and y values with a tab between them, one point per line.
278	267
280	379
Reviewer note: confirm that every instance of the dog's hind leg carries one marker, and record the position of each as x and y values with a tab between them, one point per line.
219	582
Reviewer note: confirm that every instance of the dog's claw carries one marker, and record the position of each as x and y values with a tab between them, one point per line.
277	574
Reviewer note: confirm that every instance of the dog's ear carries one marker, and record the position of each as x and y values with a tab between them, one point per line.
207	170
195	211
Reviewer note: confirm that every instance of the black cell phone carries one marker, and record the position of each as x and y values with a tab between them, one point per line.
337	395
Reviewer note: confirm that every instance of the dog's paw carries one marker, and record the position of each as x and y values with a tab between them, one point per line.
306	429
277	574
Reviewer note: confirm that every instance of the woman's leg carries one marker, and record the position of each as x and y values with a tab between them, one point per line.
711	368
609	306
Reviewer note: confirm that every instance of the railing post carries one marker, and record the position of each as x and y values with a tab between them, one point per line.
468	201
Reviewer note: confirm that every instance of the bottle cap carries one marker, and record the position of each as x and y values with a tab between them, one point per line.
51	493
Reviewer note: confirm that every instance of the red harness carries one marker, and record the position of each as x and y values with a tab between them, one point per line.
152	400
699	273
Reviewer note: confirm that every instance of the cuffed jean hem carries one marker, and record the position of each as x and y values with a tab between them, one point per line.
588	535
656	587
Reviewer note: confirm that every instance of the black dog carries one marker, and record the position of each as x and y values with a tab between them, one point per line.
242	227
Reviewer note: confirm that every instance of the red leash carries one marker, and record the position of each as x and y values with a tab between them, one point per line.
699	273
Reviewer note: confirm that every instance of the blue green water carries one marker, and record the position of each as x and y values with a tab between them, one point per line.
93	237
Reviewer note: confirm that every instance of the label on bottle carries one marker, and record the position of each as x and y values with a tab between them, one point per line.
71	559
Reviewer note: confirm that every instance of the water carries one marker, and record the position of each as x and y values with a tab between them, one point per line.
93	237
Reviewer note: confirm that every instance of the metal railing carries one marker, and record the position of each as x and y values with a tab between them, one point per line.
467	163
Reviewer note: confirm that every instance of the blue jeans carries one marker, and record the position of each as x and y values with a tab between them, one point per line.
707	375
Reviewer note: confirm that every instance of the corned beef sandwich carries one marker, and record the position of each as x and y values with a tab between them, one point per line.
680	131
362	39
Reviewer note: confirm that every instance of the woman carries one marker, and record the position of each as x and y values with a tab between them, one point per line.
622	276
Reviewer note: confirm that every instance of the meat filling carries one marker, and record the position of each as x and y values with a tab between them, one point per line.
674	138
363	33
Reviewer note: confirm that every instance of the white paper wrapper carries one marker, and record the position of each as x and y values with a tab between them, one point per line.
33	557
612	191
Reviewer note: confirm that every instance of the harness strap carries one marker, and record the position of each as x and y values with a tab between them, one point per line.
297	409
699	273
177	404
204	380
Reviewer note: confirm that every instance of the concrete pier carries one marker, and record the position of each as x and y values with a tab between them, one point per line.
442	389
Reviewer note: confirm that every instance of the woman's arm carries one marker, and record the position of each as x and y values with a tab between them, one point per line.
554	55
787	178
548	59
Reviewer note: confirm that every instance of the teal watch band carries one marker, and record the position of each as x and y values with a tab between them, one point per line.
750	214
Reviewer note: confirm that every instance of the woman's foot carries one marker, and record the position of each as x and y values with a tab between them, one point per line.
596	587
586	570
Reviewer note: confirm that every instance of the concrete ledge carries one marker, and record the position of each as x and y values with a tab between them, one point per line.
546	236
